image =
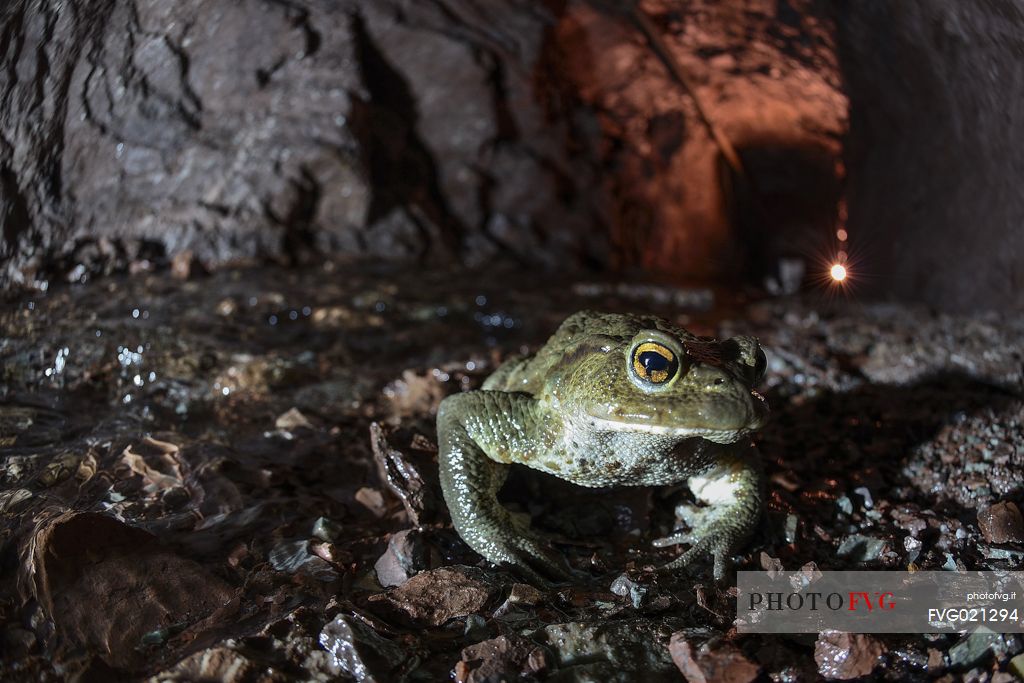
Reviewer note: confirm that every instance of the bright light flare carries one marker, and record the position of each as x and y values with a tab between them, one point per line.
838	272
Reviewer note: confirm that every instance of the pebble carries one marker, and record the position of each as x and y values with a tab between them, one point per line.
1002	523
715	661
844	656
406	556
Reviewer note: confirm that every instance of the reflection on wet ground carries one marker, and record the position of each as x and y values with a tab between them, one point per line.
236	474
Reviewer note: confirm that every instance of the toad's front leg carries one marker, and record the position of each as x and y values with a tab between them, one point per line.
733	488
473	429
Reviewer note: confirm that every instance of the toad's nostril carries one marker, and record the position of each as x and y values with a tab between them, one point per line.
719	380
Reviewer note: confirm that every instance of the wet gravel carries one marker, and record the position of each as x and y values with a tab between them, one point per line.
233	476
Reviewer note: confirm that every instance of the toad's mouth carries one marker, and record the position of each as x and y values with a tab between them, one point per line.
723	436
721	422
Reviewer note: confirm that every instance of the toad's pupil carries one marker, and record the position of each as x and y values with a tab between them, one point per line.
654	361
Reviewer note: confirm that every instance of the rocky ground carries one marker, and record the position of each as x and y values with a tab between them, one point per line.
234	477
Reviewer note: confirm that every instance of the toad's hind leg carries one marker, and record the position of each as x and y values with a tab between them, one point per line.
470	480
734	490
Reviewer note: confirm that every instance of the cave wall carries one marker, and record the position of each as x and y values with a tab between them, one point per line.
550	133
936	149
435	130
132	131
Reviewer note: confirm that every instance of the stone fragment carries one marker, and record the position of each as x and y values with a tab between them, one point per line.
433	597
406	555
715	661
358	651
326	529
80	560
292	419
1017	666
978	647
517	606
507	657
604	650
406	479
861	548
295	556
1002	523
628	588
772	565
843	656
372	499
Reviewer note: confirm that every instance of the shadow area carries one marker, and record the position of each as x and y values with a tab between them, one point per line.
889	461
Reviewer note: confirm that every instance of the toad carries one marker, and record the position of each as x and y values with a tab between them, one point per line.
611	400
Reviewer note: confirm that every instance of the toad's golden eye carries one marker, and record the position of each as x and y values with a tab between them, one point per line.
654	363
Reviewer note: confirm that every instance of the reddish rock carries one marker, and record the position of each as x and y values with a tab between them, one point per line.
715	661
1002	523
508	657
433	597
843	656
108	585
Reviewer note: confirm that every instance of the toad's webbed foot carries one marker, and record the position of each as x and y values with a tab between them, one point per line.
733	489
524	553
716	539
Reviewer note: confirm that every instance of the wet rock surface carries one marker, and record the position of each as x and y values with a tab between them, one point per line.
433	597
139	134
1002	523
845	656
505	657
711	662
248	457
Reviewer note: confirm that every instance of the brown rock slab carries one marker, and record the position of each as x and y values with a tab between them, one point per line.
507	657
433	597
1002	523
715	661
843	656
81	560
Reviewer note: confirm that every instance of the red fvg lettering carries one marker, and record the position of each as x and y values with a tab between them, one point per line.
882	601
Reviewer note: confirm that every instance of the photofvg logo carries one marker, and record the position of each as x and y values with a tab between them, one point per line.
810	601
777	601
